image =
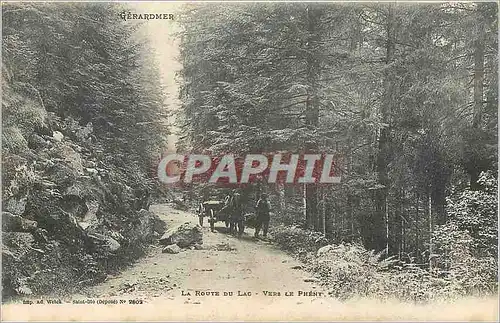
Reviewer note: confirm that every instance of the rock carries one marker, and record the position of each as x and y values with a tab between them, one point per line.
129	286
16	206
63	152
89	164
297	267
36	142
143	227
311	280
184	235
62	175
198	247
112	244
90	216
324	250
92	171
109	243
159	226
58	136
117	236
173	248
16	223
83	133
72	158
224	246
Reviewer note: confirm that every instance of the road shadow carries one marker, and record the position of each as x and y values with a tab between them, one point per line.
247	236
222	230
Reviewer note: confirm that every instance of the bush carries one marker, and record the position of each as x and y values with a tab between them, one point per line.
476	212
349	270
466	246
296	240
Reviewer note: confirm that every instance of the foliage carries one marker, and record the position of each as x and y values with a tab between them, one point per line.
297	240
467	244
82	121
350	271
476	212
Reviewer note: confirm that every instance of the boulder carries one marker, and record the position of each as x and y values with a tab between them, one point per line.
36	142
90	216
173	248
64	152
84	133
92	171
159	226
184	235
141	228
16	223
58	136
110	244
117	236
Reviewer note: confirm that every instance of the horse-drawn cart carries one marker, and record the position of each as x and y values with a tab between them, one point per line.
215	210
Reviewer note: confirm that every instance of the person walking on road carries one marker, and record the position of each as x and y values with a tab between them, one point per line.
237	225
263	208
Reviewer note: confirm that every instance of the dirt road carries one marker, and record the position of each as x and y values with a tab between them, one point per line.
243	266
264	282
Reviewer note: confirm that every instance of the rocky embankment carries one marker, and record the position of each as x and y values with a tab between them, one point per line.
71	212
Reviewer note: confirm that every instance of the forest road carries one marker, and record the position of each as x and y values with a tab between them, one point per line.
190	286
230	278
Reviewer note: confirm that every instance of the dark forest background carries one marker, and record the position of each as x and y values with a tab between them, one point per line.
406	94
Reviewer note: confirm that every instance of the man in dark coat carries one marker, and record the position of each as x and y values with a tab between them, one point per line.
263	208
237	220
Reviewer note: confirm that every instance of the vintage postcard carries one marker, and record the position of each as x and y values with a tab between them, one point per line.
249	161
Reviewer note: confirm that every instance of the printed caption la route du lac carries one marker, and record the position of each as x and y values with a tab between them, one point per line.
203	293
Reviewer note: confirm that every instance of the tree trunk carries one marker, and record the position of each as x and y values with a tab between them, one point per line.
399	225
417	230
431	229
478	77
304	208
323	211
474	169
312	108
386	226
379	239
282	199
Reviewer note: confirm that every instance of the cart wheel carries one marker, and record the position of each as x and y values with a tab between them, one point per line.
201	220
212	221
